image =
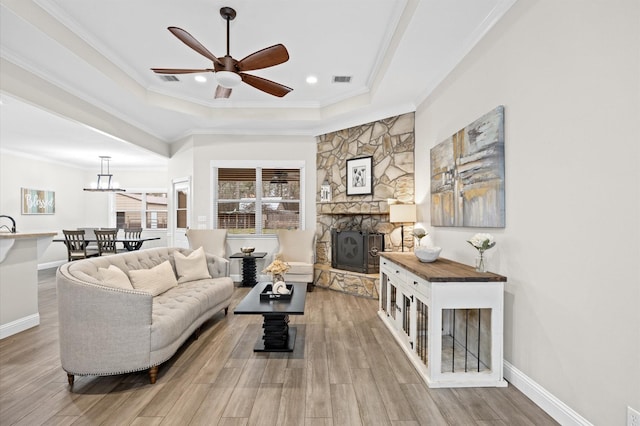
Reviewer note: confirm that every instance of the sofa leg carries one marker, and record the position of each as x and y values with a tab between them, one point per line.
153	374
70	379
226	310
196	333
310	287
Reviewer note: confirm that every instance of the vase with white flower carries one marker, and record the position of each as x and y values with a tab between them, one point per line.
277	269
481	242
419	233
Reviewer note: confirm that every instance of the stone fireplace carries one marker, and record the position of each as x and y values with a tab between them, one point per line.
391	144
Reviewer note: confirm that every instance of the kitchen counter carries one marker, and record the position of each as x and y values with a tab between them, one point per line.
19	255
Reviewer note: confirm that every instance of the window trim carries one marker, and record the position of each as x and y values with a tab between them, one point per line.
214	165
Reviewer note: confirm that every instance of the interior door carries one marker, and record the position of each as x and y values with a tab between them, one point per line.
181	211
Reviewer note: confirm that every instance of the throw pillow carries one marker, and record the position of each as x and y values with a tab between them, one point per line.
114	277
192	267
156	280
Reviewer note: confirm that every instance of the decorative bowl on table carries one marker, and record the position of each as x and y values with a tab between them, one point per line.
247	250
427	254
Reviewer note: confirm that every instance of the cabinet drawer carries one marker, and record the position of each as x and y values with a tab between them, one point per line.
418	284
393	271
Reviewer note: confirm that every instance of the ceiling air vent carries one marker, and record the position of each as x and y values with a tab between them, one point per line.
168	78
342	79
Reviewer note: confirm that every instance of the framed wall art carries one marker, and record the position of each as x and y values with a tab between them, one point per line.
37	201
360	176
467	175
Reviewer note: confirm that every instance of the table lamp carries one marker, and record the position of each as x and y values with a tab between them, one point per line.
402	213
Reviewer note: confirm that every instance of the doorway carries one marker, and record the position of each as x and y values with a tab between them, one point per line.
181	211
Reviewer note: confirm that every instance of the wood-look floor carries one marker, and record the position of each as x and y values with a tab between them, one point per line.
346	370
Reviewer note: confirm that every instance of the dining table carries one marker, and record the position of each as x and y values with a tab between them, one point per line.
130	244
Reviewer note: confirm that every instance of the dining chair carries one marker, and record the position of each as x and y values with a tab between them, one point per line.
106	241
133	234
89	235
76	245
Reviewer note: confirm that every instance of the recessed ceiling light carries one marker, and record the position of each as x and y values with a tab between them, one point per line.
312	79
200	78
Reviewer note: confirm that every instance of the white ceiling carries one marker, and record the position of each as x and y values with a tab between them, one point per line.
396	51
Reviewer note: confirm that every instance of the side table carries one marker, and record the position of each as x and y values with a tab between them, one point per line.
248	266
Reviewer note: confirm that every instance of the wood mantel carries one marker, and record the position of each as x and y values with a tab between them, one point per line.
353	208
442	270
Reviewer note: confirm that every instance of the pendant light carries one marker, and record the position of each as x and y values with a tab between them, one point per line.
104	184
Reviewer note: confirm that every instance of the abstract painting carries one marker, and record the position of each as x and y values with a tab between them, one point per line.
467	175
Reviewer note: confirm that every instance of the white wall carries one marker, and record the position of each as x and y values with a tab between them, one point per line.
74	207
568	74
204	148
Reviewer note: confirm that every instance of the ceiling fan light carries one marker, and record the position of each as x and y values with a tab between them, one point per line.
228	79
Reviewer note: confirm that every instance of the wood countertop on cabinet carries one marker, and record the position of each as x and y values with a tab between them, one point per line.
442	270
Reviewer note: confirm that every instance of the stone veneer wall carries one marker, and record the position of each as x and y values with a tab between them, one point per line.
391	143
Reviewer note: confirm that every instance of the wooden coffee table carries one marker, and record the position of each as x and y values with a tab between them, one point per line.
277	335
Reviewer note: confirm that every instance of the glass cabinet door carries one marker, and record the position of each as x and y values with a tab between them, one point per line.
421	331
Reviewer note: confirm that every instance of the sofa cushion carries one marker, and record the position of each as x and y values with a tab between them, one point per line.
301	268
156	280
192	267
114	277
176	309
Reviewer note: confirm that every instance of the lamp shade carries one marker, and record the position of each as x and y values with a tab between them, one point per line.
401	213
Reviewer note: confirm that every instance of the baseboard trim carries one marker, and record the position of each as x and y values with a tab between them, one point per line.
21	324
557	409
50	265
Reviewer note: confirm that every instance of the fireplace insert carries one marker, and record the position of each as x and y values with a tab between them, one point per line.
356	251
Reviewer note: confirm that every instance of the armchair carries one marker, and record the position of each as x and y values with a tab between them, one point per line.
213	241
297	248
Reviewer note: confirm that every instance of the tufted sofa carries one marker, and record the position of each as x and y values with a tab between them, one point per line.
106	330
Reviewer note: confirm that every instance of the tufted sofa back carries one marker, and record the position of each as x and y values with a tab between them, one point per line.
87	269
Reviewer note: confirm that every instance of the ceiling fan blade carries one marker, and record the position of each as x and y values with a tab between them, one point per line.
179	70
222	92
191	41
264	58
267	86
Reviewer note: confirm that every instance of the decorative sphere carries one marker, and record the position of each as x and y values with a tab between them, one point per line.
427	254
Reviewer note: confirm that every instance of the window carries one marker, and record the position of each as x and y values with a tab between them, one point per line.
257	200
147	210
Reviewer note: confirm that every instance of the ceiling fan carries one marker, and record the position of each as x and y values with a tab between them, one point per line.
230	72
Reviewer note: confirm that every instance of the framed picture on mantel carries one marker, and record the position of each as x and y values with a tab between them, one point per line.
360	176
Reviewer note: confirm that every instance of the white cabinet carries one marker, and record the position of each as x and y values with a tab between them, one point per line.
447	318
